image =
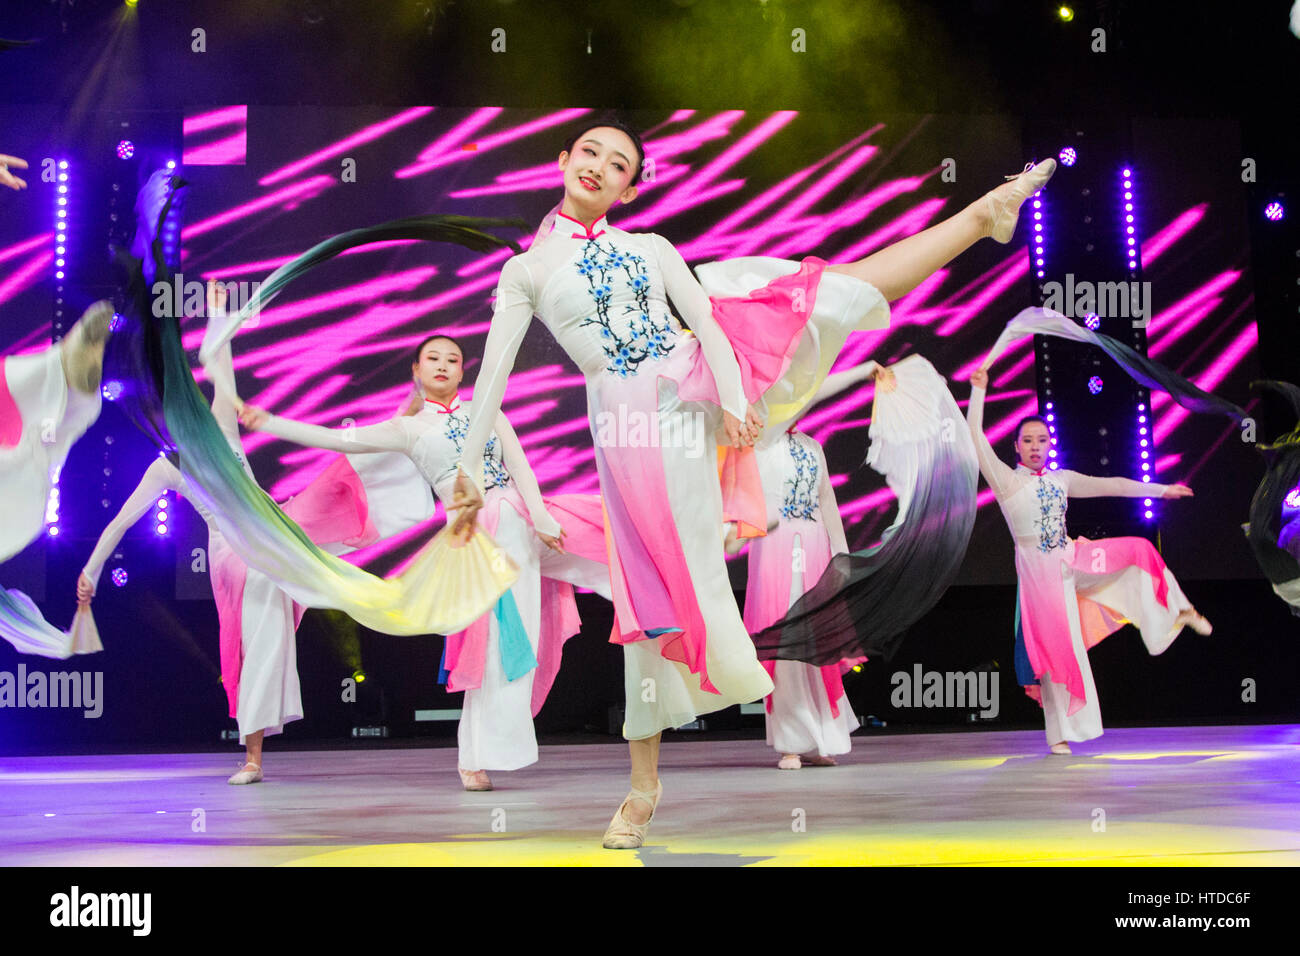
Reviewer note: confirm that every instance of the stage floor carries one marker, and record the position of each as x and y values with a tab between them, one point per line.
1176	796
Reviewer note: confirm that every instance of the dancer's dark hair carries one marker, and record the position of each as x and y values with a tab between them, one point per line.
1031	418
619	124
419	349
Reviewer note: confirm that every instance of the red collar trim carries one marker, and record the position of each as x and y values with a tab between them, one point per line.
595	232
444	409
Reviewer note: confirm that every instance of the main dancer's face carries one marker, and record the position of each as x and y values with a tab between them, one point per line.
1033	445
440	369
600	170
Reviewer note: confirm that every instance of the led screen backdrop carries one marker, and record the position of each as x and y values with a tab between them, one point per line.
335	348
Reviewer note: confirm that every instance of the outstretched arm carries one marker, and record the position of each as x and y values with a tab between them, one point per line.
837	382
1089	486
1001	478
159	477
386	436
512	453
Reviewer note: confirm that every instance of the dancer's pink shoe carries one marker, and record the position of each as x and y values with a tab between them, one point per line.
789	762
1004	202
247	773
474	780
622	833
1062	749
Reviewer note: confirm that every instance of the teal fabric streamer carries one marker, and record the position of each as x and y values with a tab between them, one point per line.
517	657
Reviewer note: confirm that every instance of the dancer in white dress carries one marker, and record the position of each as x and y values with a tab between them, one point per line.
1074	592
494	664
603	293
808	720
258	621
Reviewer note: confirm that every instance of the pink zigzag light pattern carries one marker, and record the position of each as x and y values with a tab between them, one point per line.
291	362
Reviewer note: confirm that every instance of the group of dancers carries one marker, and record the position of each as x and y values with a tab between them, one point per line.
763	336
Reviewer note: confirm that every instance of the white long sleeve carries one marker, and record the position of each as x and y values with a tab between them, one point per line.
386	436
694	307
1090	486
830	508
1000	476
837	382
510	321
516	462
159	477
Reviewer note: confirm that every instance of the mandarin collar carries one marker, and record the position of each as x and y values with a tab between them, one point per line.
1033	474
433	405
567	225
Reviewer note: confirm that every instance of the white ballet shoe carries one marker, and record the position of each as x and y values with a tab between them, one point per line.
1004	204
474	780
245	775
789	762
818	760
1062	749
1197	622
623	834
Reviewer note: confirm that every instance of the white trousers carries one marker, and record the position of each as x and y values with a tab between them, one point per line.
269	693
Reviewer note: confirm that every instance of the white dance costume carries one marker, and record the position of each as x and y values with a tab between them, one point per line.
1074	592
807	711
655	396
496	727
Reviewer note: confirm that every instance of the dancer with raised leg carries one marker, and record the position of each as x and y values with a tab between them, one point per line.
603	293
504	662
1074	592
259	666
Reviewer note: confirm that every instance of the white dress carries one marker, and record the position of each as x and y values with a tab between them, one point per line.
1074	592
797	491
496	728
603	294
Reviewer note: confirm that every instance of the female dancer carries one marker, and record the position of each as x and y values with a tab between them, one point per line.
498	658
603	294
1074	592
259	663
805	721
47	401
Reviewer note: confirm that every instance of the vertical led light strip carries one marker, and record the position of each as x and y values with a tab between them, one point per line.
1040	270
60	271
1145	435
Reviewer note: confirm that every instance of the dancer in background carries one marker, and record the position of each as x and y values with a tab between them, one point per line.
1274	526
808	719
1074	592
47	401
506	661
603	293
259	666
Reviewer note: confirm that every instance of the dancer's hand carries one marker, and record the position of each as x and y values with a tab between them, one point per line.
980	378
1177	491
414	404
732	543
552	542
85	590
253	418
884	377
467	501
216	296
6	177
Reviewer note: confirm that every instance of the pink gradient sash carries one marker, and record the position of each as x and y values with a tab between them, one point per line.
11	419
767	596
333	508
742	491
1043	616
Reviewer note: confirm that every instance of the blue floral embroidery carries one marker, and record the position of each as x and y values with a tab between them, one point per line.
639	337
494	471
801	490
1052	502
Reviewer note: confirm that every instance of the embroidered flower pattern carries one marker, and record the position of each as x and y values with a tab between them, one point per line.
494	471
1051	520
801	490
628	335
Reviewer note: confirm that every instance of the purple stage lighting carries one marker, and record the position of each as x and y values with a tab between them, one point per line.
125	149
1092	321
1292	499
119	577
112	390
1274	211
1068	156
1094	384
